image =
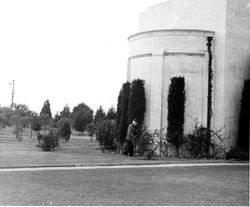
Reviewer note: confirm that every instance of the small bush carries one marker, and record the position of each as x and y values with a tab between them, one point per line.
64	129
105	133
48	142
237	153
149	142
196	143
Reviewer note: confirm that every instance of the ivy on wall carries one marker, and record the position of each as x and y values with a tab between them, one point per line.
210	87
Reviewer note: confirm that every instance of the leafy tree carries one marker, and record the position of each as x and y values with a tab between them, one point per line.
46	109
22	110
65	113
24	121
64	129
176	110
91	130
244	118
123	125
5	114
111	115
82	115
137	101
18	129
99	115
23	117
3	122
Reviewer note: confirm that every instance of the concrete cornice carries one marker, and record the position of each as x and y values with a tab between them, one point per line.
171	32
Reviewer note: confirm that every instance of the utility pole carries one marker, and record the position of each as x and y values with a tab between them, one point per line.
12	94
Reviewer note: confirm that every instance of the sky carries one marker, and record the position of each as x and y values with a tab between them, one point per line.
66	51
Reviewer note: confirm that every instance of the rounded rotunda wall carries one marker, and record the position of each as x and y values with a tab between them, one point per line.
176	40
157	56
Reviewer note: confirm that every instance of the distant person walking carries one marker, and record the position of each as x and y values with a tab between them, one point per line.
128	146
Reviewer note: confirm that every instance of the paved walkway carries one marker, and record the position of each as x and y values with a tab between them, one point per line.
18	169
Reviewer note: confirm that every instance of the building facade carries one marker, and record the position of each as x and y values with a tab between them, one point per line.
172	41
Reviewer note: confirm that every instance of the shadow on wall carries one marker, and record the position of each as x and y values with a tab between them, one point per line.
247	74
244	118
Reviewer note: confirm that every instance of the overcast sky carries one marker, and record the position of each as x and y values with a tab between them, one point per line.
66	51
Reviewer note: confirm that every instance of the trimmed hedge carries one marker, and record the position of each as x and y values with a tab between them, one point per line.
176	110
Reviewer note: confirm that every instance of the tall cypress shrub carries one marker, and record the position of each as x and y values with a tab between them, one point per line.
244	119
176	109
100	115
46	109
118	113
137	101
123	125
119	108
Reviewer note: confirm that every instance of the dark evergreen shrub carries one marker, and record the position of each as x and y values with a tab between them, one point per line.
48	142
39	136
46	109
99	115
65	113
118	119
64	129
237	153
196	142
176	110
119	109
36	124
123	125
111	114
137	101
244	119
106	133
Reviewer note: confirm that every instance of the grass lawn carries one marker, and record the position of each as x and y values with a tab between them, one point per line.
79	151
220	185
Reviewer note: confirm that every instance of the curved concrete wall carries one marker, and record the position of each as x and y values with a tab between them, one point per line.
157	56
172	41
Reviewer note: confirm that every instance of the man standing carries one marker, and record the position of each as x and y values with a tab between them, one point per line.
128	146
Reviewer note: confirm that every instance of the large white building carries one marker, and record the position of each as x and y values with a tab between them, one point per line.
172	41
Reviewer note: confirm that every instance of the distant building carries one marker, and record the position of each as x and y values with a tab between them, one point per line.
172	41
